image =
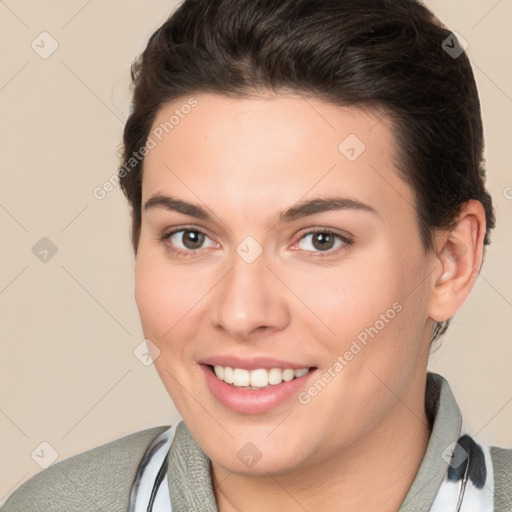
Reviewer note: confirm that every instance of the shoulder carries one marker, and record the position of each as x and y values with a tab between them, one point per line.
98	479
502	468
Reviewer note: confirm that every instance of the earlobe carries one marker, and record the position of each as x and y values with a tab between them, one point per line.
458	262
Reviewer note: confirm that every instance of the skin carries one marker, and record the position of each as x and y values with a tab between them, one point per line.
358	443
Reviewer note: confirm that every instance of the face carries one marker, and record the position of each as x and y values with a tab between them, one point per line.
277	236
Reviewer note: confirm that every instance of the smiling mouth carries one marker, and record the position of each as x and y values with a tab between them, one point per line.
260	378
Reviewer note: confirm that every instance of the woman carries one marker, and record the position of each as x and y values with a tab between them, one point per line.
309	212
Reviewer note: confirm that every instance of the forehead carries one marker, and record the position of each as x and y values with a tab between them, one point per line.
268	151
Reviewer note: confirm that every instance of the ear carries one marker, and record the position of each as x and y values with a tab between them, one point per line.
458	259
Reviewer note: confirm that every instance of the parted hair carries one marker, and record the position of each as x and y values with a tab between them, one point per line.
391	55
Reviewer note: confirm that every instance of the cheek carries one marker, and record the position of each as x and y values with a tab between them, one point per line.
370	307
155	295
167	296
352	296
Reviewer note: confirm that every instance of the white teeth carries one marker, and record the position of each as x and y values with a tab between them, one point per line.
288	374
219	371
259	378
275	376
228	375
240	377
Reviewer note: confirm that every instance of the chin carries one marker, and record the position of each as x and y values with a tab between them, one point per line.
249	461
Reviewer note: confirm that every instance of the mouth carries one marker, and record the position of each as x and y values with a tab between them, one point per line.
256	391
260	378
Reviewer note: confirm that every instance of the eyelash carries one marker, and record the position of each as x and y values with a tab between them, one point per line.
347	242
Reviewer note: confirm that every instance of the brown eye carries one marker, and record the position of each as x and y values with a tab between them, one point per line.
323	241
192	239
187	242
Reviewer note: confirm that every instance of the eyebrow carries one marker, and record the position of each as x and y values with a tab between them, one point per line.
300	210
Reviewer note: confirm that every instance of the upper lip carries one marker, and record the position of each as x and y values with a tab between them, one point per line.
252	363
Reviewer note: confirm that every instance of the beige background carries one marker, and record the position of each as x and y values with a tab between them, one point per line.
68	373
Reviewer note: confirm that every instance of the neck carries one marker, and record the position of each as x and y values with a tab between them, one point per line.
373	474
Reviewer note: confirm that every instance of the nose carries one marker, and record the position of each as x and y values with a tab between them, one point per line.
250	300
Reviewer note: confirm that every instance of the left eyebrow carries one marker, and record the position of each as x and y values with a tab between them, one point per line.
319	205
301	210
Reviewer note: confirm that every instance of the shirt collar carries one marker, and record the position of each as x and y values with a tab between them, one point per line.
446	419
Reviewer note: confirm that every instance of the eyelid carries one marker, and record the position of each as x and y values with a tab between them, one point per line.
334	231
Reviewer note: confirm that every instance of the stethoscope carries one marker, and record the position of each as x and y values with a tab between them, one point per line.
463	484
150	491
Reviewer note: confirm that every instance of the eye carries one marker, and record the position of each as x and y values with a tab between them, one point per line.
190	241
324	241
186	241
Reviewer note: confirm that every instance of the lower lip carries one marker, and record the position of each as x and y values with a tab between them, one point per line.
253	401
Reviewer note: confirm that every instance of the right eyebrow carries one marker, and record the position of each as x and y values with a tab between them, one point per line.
172	204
